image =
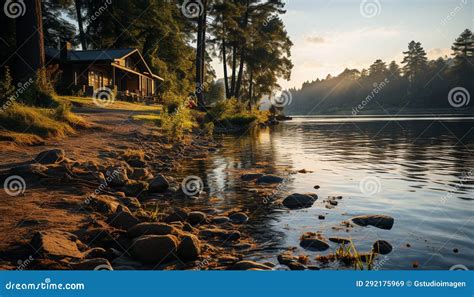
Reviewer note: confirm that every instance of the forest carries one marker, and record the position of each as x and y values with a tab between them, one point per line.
418	85
178	39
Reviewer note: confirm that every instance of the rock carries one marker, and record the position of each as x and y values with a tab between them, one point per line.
104	203
298	201
141	173
123	219
131	203
310	242
249	265
321	217
95	253
221	234
150	229
382	247
333	202
158	185
270	179
317	187
197	217
189	248
50	157
238	218
92	264
58	171
251	176
379	221
286	258
135	188
340	240
179	215
137	163
154	248
117	176
56	244
28	170
296	266
220	220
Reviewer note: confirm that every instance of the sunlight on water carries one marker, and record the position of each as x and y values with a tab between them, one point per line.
417	171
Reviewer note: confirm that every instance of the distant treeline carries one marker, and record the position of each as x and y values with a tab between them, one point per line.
418	84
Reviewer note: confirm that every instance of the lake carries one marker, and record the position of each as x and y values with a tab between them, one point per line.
417	170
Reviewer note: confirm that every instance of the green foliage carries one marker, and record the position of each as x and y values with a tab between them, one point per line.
233	113
6	87
175	125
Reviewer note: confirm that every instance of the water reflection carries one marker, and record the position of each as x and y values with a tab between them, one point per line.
424	168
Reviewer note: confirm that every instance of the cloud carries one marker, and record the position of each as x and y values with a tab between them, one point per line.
315	39
439	52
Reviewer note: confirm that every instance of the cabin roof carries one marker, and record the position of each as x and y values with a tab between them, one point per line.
91	55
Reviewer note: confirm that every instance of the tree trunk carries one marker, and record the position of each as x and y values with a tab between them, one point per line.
199	49
242	53
30	41
82	35
234	66
224	61
251	89
203	51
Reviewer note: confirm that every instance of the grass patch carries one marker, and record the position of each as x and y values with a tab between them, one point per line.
154	118
116	105
133	155
21	138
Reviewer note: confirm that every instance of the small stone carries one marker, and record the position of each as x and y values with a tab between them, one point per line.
251	176
286	258
379	221
321	217
310	242
317	187
238	218
296	266
382	247
179	215
123	219
270	179
50	157
159	184
455	251
249	265
299	201
220	220
197	217
221	234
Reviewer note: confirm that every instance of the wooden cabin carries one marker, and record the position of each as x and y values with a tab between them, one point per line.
122	70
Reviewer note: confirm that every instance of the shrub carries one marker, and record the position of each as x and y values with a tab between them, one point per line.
6	86
176	124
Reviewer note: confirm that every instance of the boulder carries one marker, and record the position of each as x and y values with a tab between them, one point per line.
189	248
123	219
249	265
197	217
251	176
57	244
50	157
28	170
382	247
379	221
137	163
270	179
141	174
159	184
154	248
286	258
135	188
238	218
150	229
296	266
298	201
95	253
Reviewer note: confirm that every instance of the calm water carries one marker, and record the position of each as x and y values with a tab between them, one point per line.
419	171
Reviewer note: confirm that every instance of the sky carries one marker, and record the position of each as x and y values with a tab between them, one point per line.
331	35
